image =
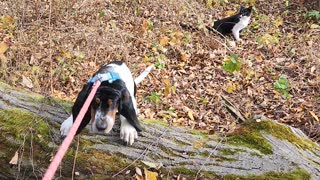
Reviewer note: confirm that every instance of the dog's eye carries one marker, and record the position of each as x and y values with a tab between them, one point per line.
98	101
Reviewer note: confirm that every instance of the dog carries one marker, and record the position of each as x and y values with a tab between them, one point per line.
116	94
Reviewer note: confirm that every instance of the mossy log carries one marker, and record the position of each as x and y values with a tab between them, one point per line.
29	124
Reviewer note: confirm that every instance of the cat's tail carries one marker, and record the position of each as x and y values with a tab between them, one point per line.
144	74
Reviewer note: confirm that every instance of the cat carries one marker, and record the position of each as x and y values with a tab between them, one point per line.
233	24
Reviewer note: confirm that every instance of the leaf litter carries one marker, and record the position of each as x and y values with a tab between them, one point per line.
195	69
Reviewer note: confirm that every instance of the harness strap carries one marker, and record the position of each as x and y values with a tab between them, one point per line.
109	76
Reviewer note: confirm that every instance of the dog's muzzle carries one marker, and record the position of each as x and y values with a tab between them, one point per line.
102	122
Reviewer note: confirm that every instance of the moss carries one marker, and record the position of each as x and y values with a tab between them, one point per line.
251	139
294	175
222	158
191	174
184	171
282	132
204	134
94	161
204	154
228	152
153	121
18	122
256	154
249	135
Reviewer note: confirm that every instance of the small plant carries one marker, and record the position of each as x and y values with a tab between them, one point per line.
102	14
155	97
313	15
232	63
282	85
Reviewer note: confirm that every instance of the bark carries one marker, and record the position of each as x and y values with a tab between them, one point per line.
175	147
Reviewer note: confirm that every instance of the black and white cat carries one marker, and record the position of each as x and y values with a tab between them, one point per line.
233	24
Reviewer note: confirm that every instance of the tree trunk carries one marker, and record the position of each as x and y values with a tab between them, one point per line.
167	151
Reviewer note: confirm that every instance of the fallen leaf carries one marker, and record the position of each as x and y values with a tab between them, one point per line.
190	114
138	171
26	82
3	47
138	177
66	54
14	160
152	164
183	57
314	26
230	88
278	22
314	116
150	175
164	41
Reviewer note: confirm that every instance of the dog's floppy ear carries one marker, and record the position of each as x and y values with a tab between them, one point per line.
82	97
127	110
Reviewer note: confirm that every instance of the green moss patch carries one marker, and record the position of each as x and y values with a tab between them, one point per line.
18	123
154	121
229	152
249	135
294	175
252	139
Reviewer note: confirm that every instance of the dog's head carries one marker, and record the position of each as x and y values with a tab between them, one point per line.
110	99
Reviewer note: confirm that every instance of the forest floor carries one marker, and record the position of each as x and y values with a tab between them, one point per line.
274	72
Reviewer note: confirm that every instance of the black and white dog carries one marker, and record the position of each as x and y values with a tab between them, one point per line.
115	94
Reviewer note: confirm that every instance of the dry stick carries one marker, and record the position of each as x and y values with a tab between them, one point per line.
143	153
215	148
31	153
50	47
75	157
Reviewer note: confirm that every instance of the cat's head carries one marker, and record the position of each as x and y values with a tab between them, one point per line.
245	11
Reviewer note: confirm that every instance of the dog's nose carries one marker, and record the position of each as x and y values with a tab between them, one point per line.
101	124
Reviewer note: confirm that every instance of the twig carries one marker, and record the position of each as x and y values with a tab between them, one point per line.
235	112
142	154
50	47
31	153
215	148
75	158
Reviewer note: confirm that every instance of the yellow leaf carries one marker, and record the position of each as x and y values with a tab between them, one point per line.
149	175
314	116
7	19
146	59
14	160
167	82
314	26
164	41
66	54
190	114
154	49
230	88
3	47
184	57
230	13
167	90
278	22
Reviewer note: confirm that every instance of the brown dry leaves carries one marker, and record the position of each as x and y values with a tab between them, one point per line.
187	85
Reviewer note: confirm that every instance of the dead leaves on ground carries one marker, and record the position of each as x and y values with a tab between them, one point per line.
192	68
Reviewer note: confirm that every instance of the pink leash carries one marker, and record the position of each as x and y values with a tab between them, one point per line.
67	141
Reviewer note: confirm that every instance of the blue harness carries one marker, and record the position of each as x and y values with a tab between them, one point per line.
109	76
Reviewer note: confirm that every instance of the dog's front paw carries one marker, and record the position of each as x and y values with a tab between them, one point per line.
128	133
65	127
